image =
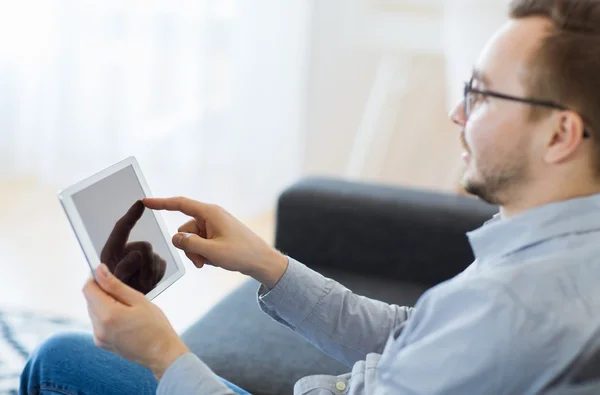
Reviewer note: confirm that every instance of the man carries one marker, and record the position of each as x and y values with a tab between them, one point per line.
514	322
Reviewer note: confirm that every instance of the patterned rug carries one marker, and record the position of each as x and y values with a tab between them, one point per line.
20	334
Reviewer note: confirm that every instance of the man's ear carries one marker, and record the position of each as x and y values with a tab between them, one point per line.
566	136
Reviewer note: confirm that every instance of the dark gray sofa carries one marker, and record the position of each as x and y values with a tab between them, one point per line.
383	242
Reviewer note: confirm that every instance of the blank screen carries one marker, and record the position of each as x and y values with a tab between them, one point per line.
135	250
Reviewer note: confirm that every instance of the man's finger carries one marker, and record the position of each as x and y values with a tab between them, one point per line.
184	205
116	288
193	226
198	260
98	301
120	234
189	242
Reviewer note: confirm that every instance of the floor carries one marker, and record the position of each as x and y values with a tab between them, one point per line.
43	268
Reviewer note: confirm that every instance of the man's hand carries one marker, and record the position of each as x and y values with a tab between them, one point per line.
217	238
135	263
128	324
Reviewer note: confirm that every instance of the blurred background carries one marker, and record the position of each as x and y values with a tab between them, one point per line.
226	101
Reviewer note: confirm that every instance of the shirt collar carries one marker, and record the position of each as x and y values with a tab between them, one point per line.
500	237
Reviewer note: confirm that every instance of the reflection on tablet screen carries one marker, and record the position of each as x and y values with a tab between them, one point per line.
134	263
126	237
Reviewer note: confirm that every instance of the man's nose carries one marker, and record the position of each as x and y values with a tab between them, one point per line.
457	115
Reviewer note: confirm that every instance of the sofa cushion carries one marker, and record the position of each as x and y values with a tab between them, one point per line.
245	346
401	233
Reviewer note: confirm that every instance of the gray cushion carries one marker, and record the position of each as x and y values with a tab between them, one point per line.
245	346
395	232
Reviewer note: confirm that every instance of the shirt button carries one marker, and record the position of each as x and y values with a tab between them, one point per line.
340	386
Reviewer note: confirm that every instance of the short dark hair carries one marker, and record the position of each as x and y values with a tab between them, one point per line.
566	66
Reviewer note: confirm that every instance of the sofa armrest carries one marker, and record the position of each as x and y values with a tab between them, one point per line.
396	233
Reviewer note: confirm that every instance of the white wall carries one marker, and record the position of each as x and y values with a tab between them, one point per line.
416	144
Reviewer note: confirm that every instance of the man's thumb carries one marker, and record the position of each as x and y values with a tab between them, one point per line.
190	242
116	288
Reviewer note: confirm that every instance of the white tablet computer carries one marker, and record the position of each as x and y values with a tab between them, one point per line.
113	227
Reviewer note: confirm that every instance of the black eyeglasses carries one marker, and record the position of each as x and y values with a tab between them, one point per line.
472	96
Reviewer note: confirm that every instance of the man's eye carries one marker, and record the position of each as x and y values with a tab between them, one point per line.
475	98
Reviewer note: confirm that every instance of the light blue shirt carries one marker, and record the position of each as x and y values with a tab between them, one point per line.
511	323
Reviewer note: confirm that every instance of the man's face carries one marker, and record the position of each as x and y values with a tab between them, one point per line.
498	134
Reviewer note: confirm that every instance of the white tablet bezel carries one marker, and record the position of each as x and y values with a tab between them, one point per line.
66	198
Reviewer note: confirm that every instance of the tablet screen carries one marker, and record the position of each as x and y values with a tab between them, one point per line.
124	233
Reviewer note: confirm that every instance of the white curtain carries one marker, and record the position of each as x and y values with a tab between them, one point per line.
207	94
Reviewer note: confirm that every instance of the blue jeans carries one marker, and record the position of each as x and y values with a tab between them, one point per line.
71	364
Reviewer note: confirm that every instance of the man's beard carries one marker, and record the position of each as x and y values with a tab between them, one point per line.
497	185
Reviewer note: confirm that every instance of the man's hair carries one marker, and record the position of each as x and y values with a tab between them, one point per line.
566	66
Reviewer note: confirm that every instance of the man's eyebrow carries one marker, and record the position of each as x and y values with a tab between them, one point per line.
479	75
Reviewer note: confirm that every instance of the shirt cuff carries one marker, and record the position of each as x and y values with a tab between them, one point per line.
189	375
296	294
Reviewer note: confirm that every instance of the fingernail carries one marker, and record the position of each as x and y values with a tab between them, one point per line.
103	270
179	238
